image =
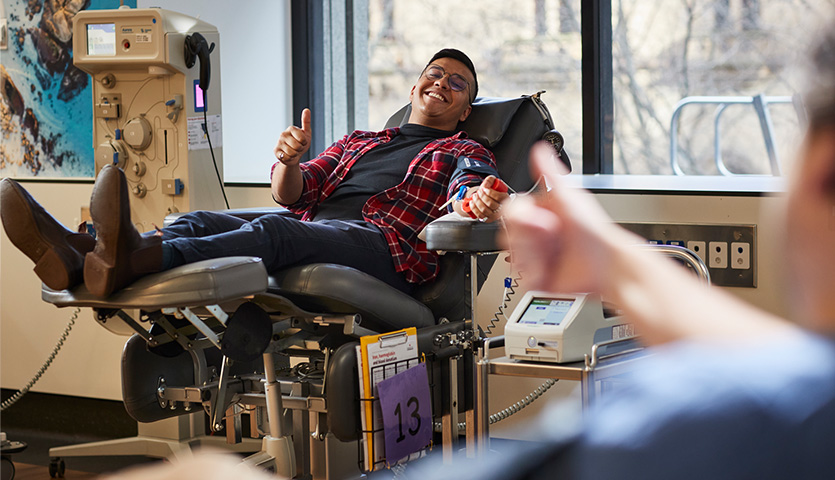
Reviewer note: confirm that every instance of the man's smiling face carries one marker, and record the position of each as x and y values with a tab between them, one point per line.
435	104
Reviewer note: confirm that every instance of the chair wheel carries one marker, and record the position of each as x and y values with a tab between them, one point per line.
6	468
56	467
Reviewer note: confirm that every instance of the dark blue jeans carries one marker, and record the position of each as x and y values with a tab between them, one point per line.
283	242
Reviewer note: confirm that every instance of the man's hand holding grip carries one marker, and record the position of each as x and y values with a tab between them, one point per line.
484	202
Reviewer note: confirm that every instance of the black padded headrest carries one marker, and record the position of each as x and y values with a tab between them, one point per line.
486	124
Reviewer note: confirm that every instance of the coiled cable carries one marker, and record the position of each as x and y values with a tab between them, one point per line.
510	285
518	406
20	393
511	410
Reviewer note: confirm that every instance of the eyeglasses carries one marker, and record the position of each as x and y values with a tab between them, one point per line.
456	82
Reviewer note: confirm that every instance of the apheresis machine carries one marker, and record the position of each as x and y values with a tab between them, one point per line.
561	328
156	106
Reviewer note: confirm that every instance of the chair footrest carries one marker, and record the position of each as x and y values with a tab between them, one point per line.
208	282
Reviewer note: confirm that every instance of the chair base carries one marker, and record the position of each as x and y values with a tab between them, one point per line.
163	439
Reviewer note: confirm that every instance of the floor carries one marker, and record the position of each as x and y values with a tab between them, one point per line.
33	462
25	471
43	421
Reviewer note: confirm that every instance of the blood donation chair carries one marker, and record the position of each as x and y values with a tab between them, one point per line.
224	336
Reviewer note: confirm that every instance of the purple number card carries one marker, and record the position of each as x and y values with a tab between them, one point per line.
407	412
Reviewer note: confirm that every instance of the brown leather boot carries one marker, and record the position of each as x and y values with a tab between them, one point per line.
121	255
58	252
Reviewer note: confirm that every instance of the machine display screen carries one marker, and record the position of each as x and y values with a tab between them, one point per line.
101	39
546	311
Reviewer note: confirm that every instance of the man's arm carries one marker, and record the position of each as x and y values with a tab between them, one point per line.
286	181
565	242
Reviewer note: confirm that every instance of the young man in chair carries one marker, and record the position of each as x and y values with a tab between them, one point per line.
363	200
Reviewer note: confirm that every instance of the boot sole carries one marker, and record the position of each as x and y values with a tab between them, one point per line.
99	276
100	270
53	263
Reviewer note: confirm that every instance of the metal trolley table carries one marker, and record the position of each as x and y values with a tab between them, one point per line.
594	373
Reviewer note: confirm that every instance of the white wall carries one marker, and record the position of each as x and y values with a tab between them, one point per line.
256	78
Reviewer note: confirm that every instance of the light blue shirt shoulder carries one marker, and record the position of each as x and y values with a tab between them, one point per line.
762	409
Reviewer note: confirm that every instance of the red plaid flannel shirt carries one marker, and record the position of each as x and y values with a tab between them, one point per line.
403	211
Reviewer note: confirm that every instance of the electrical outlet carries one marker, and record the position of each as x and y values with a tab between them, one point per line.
740	255
703	241
718	254
699	248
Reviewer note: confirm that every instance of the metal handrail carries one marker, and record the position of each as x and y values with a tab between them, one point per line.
593	360
760	104
684	254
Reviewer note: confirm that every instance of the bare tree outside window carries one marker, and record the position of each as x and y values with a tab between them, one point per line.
750	14
569	22
387	29
539	18
722	15
664	53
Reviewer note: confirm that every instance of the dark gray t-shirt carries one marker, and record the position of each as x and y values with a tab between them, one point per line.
383	167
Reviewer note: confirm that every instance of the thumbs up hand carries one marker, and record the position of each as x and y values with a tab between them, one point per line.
294	141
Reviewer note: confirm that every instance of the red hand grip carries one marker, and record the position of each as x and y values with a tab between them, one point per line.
465	205
499	186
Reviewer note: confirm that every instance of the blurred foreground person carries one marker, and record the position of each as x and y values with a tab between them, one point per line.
731	391
205	464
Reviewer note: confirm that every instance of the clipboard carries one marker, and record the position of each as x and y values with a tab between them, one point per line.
380	357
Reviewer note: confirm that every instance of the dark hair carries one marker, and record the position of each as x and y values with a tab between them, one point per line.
463	58
819	98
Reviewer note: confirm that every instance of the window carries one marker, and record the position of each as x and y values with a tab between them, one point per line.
664	52
518	47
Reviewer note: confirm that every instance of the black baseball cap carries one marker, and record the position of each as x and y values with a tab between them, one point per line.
461	57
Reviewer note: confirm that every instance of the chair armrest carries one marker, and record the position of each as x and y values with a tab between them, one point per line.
454	233
244	213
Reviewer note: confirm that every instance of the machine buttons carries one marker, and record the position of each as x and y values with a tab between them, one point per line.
140	190
108	81
532	342
139	168
137	133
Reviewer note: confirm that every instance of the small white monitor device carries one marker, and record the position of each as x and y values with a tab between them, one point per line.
561	328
